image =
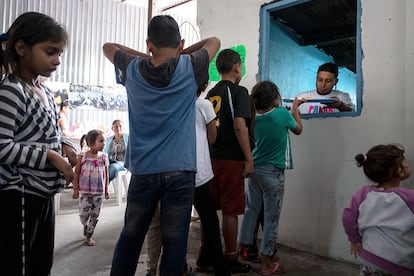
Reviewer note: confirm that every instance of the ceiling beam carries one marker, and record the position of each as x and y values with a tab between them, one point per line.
174	5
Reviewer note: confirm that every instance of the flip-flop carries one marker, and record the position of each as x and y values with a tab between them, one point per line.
275	258
277	269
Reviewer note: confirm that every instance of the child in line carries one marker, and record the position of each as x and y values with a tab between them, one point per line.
379	221
272	155
231	153
161	151
206	133
32	169
91	181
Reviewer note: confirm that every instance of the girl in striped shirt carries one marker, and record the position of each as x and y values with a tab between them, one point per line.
32	169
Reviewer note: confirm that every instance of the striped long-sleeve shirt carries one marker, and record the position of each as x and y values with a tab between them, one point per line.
27	130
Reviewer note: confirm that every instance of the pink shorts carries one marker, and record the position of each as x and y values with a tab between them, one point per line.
227	186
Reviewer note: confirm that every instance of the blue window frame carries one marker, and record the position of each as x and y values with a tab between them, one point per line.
296	36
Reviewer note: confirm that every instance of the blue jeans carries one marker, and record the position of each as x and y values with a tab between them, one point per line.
175	191
266	186
114	169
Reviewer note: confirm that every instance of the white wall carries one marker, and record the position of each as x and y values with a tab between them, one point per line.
325	174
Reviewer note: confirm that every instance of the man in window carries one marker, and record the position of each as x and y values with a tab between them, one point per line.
325	99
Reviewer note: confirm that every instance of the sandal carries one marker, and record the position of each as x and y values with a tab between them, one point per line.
275	258
277	269
249	254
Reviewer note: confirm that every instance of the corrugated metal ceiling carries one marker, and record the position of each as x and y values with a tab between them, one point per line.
91	23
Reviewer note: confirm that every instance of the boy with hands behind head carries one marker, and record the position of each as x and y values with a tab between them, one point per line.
161	153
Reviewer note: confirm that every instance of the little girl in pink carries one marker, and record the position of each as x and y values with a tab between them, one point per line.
91	181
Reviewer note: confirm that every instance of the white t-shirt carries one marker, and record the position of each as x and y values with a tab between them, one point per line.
204	115
316	107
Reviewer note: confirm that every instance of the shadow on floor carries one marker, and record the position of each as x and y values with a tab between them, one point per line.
72	257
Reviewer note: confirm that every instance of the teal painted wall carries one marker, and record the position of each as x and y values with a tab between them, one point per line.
293	67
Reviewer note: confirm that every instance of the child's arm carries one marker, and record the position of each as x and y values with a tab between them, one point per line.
242	135
76	177
70	152
61	164
16	153
211	132
350	223
109	50
356	249
296	116
211	44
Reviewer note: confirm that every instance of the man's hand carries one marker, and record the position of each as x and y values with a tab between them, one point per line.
337	104
340	105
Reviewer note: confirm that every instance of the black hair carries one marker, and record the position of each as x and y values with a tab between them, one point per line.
163	32
82	140
32	28
202	87
92	135
226	59
264	94
381	162
116	121
64	104
329	67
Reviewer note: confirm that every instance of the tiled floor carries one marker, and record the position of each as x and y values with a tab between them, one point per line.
73	258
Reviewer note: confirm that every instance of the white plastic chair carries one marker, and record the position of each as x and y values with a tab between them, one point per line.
120	184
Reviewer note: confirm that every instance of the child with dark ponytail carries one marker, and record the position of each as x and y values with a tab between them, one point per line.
379	221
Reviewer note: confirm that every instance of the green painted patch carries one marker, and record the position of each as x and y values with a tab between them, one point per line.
212	70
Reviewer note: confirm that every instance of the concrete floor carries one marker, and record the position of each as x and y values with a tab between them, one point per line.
74	258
